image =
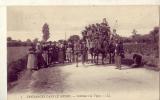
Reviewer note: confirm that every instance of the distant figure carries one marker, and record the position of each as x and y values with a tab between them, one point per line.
137	60
91	50
50	54
32	60
40	59
76	52
55	53
45	55
111	49
69	54
84	52
61	54
119	53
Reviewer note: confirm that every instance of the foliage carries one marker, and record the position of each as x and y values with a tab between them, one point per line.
15	68
99	31
15	43
74	38
45	31
35	41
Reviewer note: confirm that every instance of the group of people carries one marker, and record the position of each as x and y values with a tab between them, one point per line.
45	54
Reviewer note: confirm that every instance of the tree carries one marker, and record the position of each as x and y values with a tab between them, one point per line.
61	41
134	35
154	34
9	39
134	32
74	38
45	31
28	41
35	41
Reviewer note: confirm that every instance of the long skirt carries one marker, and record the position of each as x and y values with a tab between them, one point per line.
40	60
32	62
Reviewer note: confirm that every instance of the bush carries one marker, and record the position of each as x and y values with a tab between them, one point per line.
15	68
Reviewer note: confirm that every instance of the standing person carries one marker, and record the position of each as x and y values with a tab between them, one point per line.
50	50
69	54
53	52
32	60
91	50
61	53
111	50
72	44
84	52
45	55
40	60
119	53
76	51
56	51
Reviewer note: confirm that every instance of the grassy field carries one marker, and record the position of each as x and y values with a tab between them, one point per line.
15	53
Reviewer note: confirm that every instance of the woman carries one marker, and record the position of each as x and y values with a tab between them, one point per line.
32	60
40	59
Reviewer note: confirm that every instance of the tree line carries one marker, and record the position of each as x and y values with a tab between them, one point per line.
151	37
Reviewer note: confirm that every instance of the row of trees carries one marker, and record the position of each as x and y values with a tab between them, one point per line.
99	31
151	37
28	42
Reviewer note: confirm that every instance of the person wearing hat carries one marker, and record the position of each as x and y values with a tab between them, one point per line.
45	54
32	60
69	54
84	52
111	51
76	51
119	53
39	56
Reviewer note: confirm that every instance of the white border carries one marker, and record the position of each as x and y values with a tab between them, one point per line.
3	54
79	2
3	24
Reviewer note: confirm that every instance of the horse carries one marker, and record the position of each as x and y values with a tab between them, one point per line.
102	50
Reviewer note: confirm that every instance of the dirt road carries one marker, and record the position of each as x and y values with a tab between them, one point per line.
126	83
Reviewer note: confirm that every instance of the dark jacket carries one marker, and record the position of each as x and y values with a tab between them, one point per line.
119	49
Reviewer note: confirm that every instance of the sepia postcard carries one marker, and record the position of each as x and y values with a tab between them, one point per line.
83	52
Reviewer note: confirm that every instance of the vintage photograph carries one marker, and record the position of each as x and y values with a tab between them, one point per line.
83	52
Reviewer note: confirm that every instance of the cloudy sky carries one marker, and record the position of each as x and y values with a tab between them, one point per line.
25	22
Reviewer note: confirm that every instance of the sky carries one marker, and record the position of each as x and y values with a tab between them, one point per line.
25	22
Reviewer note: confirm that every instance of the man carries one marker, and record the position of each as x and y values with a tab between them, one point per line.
76	51
84	52
69	54
119	53
111	49
50	50
91	50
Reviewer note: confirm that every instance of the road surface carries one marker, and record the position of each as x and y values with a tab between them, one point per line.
131	83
